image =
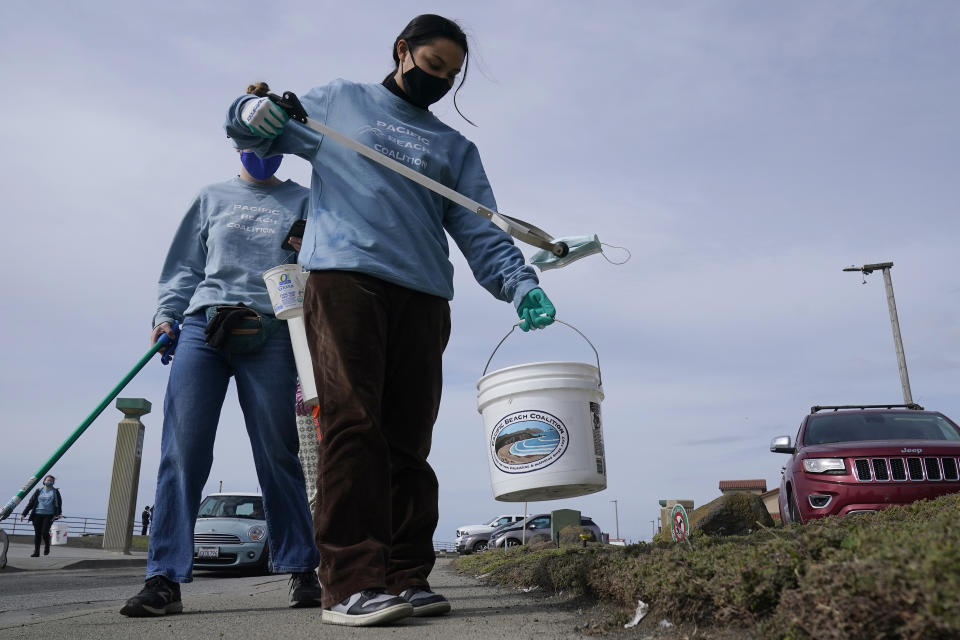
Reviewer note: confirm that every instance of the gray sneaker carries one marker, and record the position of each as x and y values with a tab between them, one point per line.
367	608
425	602
304	589
158	597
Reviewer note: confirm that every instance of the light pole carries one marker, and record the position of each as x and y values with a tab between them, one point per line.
616	516
867	269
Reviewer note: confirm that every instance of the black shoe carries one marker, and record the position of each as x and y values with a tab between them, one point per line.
35	554
304	589
158	598
425	602
366	608
46	551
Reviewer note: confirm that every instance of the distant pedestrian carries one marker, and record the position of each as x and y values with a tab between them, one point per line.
145	520
46	506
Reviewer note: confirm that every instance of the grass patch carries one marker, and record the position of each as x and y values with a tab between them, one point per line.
892	574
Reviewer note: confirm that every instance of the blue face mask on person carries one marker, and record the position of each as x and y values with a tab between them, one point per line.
579	247
48	483
260	168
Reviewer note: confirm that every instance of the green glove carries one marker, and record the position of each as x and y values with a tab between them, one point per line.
535	310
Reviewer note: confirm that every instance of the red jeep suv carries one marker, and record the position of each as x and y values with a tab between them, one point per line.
851	459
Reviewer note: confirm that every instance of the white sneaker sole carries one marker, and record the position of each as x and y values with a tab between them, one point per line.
383	616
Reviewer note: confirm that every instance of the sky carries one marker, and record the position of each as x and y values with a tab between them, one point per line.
744	151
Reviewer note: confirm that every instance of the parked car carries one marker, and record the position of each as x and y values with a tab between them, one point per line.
852	459
473	537
478	542
231	533
533	529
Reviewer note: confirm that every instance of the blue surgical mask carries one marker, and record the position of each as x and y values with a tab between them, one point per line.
48	483
260	168
580	247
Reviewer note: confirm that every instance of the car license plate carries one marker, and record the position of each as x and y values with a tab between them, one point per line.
208	552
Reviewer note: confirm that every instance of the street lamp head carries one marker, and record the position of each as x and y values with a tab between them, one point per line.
867	269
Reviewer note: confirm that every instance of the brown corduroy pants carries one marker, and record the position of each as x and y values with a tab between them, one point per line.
377	354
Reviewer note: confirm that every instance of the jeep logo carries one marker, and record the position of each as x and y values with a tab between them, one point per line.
911	451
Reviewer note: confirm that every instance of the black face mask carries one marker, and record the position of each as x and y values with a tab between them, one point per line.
423	88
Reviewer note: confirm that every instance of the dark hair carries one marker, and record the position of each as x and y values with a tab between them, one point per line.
259	89
426	28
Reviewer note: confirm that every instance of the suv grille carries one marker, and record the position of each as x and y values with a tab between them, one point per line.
916	468
880	469
950	470
902	469
898	469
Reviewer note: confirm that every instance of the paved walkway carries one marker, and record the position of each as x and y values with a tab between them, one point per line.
84	604
69	557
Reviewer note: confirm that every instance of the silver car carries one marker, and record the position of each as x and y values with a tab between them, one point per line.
231	533
533	529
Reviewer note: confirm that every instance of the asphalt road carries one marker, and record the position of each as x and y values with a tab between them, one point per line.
68	604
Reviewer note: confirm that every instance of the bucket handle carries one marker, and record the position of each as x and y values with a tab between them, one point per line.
566	324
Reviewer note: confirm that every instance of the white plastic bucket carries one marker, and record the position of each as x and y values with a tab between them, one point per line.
301	354
58	533
285	284
543	431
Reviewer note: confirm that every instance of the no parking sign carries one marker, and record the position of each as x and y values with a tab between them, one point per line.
679	524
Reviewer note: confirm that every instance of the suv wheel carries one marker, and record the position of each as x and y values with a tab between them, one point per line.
480	545
511	542
794	513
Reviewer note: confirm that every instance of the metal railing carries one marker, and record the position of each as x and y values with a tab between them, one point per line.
449	547
87	526
77	526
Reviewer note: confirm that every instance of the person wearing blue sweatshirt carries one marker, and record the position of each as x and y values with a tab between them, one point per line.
377	310
46	503
231	234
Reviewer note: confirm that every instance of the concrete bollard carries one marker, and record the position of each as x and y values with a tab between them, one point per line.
121	506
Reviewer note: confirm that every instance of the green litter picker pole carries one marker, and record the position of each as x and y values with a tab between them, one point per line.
35	478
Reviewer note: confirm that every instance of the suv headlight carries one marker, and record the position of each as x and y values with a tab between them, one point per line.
256	533
835	466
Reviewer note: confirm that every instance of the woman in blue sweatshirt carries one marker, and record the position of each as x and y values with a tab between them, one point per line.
46	505
377	313
231	234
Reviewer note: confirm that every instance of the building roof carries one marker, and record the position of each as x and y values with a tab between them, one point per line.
743	485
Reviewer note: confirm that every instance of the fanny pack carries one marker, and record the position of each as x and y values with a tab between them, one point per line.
238	328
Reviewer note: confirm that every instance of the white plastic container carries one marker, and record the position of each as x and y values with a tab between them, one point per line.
58	533
301	354
543	430
285	284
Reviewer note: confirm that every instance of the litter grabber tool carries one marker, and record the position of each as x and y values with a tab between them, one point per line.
523	231
164	342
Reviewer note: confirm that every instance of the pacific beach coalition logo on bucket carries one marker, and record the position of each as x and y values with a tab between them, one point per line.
527	440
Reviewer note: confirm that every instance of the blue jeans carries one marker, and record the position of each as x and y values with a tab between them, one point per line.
266	384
